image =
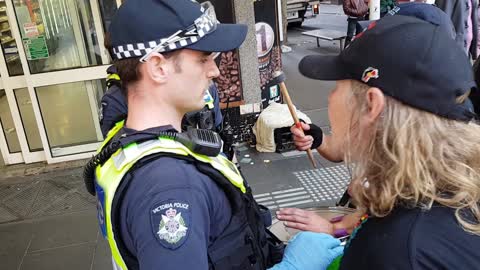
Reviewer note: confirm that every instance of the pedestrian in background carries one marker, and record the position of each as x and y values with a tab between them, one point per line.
472	29
464	20
356	11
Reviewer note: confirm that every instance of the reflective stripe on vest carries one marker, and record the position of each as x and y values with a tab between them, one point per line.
110	175
113	76
111	134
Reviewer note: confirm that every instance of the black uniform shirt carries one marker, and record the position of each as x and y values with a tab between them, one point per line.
413	239
171	213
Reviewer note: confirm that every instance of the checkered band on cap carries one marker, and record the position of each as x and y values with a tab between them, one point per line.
204	25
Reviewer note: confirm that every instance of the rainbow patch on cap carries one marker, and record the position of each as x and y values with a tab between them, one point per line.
370	73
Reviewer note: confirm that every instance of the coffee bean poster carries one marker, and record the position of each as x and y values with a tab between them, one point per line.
268	48
229	82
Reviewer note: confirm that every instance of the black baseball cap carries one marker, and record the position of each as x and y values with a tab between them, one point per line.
140	25
411	60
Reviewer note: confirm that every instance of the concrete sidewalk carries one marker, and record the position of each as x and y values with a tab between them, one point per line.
21	170
49	221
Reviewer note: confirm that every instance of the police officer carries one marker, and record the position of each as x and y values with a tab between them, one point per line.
114	102
114	107
167	200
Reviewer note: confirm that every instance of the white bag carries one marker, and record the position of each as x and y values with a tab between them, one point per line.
274	116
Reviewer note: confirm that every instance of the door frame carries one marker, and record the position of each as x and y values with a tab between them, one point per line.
32	81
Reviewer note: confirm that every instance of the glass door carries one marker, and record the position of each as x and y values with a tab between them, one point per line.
9	142
54	78
13	141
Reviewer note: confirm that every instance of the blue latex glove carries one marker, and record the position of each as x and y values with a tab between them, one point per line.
310	251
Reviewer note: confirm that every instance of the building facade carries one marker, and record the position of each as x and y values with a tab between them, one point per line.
52	70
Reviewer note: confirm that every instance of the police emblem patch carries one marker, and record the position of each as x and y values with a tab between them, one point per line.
170	222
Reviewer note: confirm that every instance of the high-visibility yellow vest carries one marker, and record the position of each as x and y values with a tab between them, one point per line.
110	175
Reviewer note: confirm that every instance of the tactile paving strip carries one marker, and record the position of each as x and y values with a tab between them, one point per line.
325	184
293	197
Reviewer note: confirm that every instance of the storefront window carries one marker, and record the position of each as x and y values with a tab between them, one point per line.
57	34
25	108
7	124
70	114
9	47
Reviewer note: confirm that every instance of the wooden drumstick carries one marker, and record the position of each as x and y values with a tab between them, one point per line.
280	77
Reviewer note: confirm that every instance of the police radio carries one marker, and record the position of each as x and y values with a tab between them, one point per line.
201	141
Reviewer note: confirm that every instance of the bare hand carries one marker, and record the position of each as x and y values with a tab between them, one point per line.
349	221
302	142
304	220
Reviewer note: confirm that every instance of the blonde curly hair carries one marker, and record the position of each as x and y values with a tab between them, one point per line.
416	158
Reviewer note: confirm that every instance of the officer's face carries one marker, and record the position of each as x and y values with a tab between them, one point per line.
196	70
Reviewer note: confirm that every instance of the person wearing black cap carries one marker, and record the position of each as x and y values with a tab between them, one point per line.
168	200
114	104
403	118
114	107
345	225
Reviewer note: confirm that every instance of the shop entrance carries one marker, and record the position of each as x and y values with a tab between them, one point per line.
52	70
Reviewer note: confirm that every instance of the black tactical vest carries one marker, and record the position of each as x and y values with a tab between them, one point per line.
246	243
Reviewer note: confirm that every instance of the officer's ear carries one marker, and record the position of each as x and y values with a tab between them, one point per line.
157	68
